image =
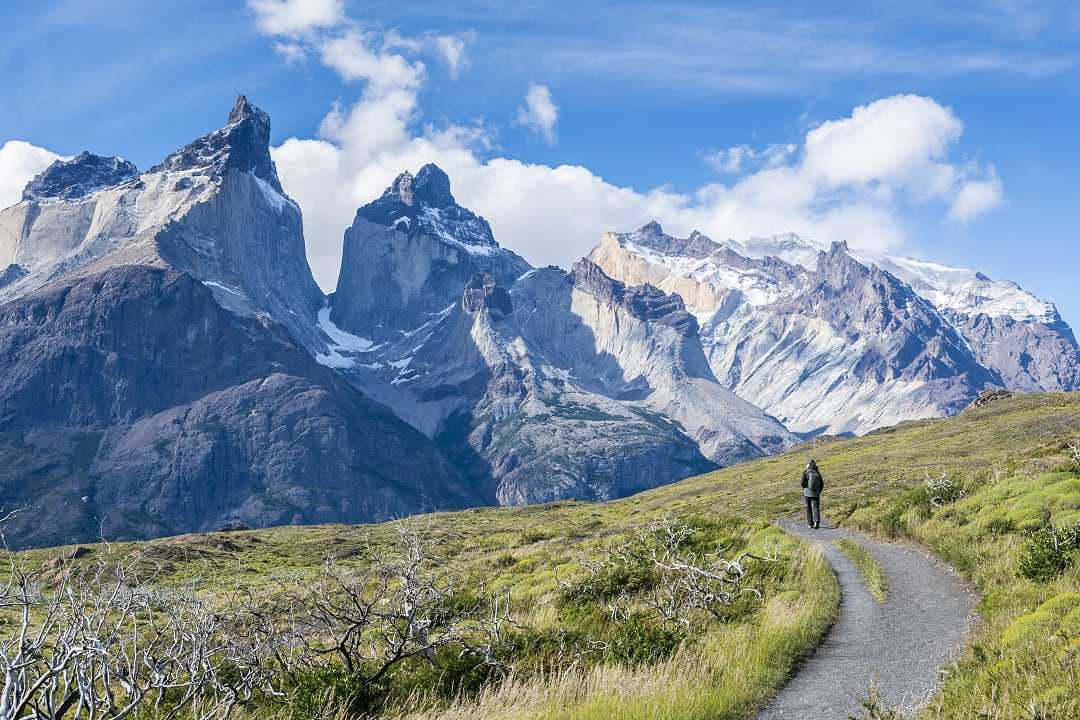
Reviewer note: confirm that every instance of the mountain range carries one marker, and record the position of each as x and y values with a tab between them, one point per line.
834	340
170	365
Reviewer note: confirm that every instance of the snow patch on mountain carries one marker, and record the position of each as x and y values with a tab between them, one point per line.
960	290
830	339
341	344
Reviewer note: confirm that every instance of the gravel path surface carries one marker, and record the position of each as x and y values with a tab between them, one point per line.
900	645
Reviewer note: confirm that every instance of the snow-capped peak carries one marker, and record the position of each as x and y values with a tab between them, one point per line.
423	203
958	290
242	144
965	291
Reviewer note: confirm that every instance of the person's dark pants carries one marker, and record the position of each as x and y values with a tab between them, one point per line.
813	511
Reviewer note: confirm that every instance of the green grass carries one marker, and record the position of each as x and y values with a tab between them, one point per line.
869	569
1024	658
1009	460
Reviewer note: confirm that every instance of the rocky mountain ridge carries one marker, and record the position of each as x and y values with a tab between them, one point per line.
542	383
167	362
834	340
157	333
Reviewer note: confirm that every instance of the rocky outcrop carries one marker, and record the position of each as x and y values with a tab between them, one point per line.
988	396
83	174
132	402
409	253
10	274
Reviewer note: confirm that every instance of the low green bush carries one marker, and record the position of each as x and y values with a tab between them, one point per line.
1049	551
641	639
609	582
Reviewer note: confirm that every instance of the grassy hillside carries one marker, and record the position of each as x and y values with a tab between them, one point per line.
1008	473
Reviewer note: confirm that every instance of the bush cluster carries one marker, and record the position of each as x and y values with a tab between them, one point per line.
609	582
1049	551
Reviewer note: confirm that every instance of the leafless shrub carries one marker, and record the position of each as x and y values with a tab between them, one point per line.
395	606
101	640
105	640
942	490
1074	455
683	584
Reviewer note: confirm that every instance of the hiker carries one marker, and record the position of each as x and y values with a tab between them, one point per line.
812	484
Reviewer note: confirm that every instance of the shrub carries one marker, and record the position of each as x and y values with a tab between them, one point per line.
311	690
608	582
503	561
942	490
1000	526
1049	551
533	536
640	639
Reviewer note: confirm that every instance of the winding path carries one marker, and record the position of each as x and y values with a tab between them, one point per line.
900	645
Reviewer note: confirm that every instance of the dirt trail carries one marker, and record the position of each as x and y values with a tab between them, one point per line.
900	645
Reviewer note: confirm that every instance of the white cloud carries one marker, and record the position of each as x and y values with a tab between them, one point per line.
899	139
355	56
292	53
539	113
730	160
849	179
295	17
738	158
451	48
19	163
976	197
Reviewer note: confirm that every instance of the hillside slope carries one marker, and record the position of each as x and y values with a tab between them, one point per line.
1009	460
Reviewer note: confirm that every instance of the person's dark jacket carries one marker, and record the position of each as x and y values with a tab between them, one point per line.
813	482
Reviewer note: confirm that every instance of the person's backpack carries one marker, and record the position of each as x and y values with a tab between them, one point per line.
814	481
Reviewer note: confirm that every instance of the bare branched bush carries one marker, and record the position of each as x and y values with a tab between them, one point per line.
942	490
100	640
658	569
395	605
103	639
1074	455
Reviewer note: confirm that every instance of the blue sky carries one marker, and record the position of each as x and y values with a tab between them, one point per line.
634	111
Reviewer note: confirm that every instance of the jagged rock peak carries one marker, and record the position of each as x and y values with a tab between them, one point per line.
652	236
81	175
428	188
643	301
243	144
423	203
432	187
482	291
838	268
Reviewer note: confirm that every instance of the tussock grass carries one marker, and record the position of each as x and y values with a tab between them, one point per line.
1010	458
728	674
869	569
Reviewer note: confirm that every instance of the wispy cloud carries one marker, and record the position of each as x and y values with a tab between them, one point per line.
452	51
294	17
851	178
539	113
740	158
690	47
